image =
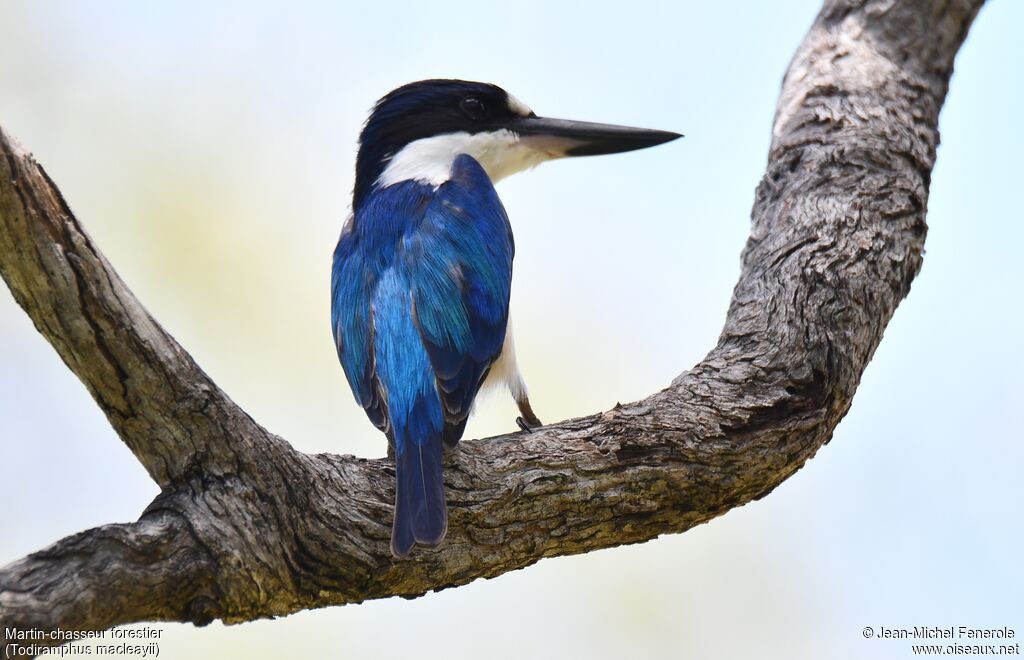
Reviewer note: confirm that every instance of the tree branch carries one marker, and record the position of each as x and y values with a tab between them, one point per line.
81	579
247	527
168	412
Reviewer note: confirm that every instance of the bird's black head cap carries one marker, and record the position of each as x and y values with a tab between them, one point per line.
424	109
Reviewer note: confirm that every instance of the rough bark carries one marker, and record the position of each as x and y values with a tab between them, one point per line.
248	527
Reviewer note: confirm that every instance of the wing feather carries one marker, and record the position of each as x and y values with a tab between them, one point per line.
462	267
454	248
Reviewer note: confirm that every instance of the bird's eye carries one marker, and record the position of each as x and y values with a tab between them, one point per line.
473	107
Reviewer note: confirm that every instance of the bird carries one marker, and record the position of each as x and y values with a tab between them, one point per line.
422	272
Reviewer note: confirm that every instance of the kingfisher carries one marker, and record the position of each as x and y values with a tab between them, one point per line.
422	272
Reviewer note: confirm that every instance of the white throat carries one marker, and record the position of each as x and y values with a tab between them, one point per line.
429	160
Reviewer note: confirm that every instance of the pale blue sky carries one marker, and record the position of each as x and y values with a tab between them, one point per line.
209	151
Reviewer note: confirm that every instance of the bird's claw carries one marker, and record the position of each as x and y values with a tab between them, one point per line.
526	426
529	420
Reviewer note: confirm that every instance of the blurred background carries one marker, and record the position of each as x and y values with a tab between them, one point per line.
209	152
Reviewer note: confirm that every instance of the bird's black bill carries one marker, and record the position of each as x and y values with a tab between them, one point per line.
564	137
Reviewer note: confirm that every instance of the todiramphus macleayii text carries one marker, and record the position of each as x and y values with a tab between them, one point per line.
422	272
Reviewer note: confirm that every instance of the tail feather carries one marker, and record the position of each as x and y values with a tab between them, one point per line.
414	410
421	514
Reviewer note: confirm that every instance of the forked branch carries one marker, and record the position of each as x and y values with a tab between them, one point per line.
248	527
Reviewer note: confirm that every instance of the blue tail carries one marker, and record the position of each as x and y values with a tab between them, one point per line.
421	515
417	421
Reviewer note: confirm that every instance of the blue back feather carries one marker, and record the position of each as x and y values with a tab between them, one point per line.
419	304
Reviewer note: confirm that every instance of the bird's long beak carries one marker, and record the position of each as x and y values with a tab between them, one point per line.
564	137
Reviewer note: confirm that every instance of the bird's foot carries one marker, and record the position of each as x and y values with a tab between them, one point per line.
527	426
528	421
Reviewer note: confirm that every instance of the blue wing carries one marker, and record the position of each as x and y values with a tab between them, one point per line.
365	252
420	293
461	260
